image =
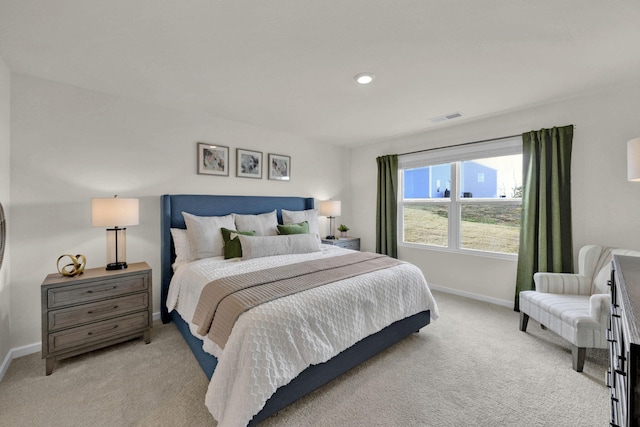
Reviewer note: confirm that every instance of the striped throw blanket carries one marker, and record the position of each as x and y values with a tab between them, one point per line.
223	300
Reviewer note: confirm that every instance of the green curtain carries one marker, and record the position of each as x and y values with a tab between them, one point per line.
387	206
546	241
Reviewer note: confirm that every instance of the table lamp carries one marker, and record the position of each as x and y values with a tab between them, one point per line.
330	209
633	160
115	213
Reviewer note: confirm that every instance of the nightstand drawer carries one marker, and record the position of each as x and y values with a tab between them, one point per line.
96	332
349	244
82	293
74	316
344	242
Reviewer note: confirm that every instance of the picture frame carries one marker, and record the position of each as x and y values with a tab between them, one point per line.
213	159
279	167
248	163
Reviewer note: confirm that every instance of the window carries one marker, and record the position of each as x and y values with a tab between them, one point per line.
463	198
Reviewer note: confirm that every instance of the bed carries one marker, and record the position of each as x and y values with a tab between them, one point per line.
309	378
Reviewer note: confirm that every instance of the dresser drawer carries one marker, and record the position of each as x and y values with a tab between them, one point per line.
83	293
87	313
97	332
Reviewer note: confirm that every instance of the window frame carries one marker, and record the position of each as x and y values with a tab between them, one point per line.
454	156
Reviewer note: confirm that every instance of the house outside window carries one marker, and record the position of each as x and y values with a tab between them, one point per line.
464	198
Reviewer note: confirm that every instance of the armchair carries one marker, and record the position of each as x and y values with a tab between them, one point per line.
574	306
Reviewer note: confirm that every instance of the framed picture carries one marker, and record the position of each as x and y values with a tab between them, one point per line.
248	163
279	167
213	159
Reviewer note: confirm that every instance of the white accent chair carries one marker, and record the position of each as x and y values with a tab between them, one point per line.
574	306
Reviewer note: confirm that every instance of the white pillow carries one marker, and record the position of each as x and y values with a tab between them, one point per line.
262	246
265	224
296	217
204	234
181	243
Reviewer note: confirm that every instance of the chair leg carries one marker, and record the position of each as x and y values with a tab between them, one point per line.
578	355
524	320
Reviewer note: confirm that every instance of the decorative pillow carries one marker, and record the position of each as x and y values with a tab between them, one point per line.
204	233
232	247
262	246
300	228
310	215
182	247
263	224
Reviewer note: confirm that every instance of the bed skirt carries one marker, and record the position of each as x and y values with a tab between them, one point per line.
314	376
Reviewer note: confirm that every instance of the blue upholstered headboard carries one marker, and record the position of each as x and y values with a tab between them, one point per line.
172	207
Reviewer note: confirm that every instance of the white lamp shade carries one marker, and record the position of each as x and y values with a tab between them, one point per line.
633	160
330	208
114	212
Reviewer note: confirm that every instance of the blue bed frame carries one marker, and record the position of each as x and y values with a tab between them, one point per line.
314	376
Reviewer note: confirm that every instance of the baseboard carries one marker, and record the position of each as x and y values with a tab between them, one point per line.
30	349
18	352
470	295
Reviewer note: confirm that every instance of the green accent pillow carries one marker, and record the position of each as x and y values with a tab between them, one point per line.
232	247
299	228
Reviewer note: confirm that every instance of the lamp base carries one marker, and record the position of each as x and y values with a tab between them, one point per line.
117	266
330	237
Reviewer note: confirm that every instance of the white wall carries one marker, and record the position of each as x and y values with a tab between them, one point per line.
605	204
5	199
69	145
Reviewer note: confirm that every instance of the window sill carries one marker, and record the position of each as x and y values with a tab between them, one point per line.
483	254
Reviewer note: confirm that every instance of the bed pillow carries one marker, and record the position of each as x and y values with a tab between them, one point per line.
263	224
182	247
262	246
204	233
232	247
309	215
299	228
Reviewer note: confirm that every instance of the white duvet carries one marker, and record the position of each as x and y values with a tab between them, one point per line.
272	343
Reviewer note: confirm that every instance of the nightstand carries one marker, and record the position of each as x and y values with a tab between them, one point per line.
95	309
344	242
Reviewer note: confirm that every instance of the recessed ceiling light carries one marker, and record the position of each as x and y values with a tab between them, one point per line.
364	78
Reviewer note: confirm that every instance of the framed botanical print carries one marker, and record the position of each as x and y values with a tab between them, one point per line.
248	163
213	159
279	167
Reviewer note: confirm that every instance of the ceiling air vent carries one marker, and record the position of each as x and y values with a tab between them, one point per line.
444	117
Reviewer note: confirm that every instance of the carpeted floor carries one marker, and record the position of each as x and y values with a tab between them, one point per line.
471	367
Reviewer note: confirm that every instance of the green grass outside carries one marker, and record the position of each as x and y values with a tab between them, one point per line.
492	228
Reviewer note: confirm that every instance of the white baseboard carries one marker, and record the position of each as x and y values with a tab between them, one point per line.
30	349
18	352
470	295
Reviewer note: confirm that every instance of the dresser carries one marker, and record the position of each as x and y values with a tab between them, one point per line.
344	242
623	376
95	309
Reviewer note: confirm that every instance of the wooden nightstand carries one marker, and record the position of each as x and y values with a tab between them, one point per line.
344	242
95	309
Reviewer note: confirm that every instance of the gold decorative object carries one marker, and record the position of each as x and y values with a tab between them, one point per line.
75	267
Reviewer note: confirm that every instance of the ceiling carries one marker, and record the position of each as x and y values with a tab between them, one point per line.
288	65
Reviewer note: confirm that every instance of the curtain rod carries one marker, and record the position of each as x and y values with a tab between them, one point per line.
463	144
459	145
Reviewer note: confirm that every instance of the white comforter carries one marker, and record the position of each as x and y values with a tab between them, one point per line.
272	343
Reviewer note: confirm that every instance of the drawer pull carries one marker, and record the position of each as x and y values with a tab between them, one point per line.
91	291
115	307
104	330
619	372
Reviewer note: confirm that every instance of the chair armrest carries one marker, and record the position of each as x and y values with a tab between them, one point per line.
600	308
562	283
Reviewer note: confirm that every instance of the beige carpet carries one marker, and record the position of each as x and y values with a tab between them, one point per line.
472	367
